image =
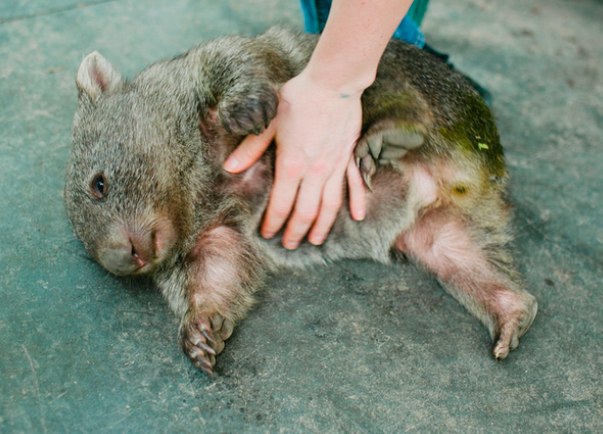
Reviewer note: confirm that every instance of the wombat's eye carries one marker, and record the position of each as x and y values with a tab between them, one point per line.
99	186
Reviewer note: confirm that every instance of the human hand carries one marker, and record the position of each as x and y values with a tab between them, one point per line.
316	129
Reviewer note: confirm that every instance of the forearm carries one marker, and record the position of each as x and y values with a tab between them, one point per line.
351	45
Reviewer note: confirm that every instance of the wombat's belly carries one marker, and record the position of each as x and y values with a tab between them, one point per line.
396	201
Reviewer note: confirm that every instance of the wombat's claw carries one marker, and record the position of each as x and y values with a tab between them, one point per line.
203	340
248	114
514	328
367	168
507	341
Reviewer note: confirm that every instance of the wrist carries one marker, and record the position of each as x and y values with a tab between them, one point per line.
338	80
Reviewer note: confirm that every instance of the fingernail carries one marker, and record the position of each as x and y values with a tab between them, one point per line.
359	216
267	235
290	245
316	240
231	164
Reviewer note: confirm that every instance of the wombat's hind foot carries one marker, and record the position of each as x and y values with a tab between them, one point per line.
386	142
203	338
513	326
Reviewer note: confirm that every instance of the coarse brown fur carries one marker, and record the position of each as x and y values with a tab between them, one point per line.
146	192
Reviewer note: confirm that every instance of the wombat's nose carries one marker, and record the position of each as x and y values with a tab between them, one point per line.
142	251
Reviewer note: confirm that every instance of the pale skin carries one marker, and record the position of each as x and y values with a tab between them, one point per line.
318	122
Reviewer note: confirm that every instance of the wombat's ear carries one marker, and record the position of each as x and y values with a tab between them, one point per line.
96	76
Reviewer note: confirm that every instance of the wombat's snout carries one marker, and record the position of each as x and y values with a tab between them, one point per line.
136	250
142	248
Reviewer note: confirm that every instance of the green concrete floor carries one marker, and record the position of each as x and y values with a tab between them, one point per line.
354	347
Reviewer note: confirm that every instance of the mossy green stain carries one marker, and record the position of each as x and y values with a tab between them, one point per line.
475	133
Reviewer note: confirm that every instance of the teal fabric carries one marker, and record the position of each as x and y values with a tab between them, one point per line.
417	11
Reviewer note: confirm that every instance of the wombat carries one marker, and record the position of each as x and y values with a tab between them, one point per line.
146	192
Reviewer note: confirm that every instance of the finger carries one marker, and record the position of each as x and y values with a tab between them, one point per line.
356	192
305	212
250	150
282	197
329	209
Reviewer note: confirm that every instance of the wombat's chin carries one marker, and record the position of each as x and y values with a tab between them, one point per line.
141	271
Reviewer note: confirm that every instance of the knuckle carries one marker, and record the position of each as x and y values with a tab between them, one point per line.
293	167
321	169
304	217
332	205
280	213
333	196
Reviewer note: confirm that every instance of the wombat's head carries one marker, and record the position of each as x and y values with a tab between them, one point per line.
125	188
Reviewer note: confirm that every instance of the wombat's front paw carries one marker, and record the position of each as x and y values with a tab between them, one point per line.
203	338
248	110
512	327
385	142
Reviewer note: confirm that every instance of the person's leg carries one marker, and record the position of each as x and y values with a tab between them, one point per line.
316	13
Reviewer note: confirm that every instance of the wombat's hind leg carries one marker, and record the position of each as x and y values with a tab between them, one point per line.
475	267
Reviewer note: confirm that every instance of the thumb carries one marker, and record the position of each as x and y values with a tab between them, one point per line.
250	150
